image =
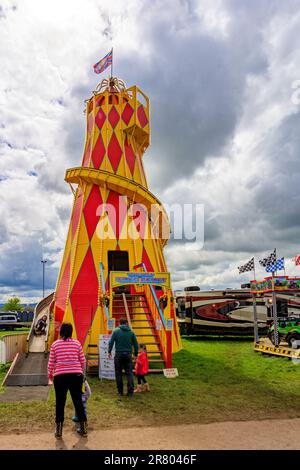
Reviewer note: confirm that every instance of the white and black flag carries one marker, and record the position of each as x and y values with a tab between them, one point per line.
271	259
247	267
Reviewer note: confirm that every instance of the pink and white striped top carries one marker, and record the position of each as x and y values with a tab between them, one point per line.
66	357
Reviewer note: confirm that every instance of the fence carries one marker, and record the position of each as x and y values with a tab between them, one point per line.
10	345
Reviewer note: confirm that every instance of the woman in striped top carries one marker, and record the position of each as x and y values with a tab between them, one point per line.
66	369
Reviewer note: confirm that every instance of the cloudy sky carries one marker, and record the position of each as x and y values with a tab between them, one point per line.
223	77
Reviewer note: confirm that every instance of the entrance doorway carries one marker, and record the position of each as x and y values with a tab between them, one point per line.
118	261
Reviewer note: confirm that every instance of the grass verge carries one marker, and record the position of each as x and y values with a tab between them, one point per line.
218	381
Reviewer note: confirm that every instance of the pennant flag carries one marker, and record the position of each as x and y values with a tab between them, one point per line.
297	260
246	267
277	266
104	63
271	259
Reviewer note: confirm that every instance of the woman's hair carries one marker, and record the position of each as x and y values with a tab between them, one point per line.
143	346
66	330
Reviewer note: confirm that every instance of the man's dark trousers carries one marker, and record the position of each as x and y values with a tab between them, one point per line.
123	361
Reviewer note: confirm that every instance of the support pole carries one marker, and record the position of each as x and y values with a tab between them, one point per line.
275	318
256	337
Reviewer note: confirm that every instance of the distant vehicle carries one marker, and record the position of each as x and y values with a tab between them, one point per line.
191	289
288	331
8	321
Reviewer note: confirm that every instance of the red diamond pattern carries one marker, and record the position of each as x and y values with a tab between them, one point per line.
98	152
90	210
61	297
114	152
113	117
100	118
146	260
87	154
76	213
84	297
127	113
130	156
142	116
90	123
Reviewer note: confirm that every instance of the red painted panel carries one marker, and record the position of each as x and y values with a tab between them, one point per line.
127	113
90	123
61	297
130	156
114	152
87	155
100	118
113	117
90	209
76	212
84	297
98	152
142	116
146	260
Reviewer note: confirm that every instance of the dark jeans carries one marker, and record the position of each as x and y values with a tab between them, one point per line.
140	379
123	361
73	383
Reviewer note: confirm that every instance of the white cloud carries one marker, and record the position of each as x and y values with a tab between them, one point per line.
224	126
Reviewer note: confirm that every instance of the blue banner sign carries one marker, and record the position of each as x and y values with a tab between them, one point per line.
126	277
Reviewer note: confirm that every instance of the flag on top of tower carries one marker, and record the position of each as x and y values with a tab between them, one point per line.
249	266
296	259
271	259
277	266
100	66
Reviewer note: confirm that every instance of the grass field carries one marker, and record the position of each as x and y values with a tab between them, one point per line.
219	380
13	332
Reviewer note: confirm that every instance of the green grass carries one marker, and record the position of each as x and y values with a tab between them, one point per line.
218	380
13	332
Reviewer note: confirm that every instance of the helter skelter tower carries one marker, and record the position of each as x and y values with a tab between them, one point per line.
113	264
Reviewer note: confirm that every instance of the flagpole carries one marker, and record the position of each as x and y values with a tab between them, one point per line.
276	340
112	61
256	337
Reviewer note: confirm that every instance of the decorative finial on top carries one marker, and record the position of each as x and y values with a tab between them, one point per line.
113	84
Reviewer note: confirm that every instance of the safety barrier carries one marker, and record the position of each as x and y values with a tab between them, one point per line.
10	345
282	351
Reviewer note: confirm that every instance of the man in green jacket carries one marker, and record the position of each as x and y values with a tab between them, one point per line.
124	339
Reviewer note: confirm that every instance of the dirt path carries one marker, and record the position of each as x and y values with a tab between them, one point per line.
268	434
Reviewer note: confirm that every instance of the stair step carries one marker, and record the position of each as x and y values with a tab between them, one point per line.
144	328
140	336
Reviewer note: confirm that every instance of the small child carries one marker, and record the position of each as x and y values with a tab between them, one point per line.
86	393
141	369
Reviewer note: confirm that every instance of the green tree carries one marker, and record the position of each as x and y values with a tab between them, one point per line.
12	305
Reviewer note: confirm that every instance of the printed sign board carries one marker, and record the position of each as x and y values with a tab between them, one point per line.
111	324
106	364
281	283
121	278
170	324
171	373
158	325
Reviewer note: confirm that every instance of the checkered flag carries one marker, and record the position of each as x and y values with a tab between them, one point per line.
277	266
271	259
246	267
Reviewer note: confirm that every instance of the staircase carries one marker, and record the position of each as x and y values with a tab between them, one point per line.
135	308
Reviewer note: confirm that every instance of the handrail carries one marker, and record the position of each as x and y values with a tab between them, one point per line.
103	289
155	299
126	310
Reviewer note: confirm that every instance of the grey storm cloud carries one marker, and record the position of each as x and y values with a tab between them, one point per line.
222	133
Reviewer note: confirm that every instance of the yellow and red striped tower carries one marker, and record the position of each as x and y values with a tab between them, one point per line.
111	231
